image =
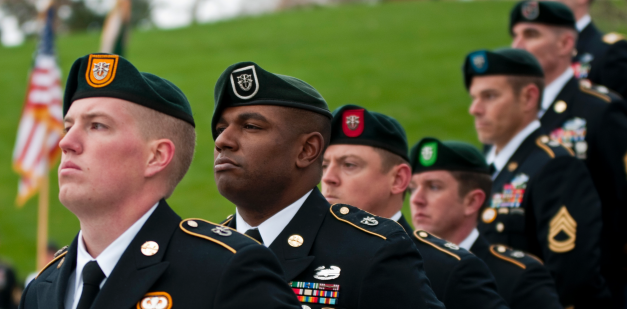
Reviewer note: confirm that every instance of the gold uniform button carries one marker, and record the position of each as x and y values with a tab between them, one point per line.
489	214
150	248
560	107
344	210
500	227
192	223
295	241
544	139
423	234
512	166
501	249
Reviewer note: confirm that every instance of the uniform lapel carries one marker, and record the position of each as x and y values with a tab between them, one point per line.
481	247
135	272
52	294
505	175
551	119
405	225
305	223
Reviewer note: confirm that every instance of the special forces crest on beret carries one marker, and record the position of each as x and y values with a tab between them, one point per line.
353	124
101	70
530	10
245	83
479	62
428	153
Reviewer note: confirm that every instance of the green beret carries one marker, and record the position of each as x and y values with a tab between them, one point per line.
505	61
246	83
354	125
106	75
551	13
430	154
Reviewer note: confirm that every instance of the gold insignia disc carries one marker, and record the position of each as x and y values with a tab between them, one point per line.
295	240
501	249
560	106
500	227
423	234
192	223
155	300
344	210
544	139
101	70
512	166
489	214
150	248
562	223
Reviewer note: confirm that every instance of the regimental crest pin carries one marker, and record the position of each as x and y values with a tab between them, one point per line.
155	300
428	153
530	10
244	82
369	221
479	61
101	70
222	231
330	273
353	124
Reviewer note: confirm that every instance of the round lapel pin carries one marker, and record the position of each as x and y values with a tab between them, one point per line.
295	241
150	248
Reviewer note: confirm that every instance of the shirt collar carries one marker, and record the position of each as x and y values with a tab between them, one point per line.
583	22
111	255
397	216
273	226
470	240
553	89
499	160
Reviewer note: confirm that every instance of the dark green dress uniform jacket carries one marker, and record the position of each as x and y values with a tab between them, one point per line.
371	260
521	279
194	266
603	63
597	124
544	202
457	277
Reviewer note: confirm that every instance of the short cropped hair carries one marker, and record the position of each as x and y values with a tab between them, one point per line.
388	159
520	82
156	125
469	181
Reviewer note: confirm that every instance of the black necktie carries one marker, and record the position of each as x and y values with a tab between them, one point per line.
92	277
254	233
492	169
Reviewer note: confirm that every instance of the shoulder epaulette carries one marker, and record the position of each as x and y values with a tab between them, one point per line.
598	91
550	146
438	243
224	236
613	37
57	256
515	257
227	220
364	221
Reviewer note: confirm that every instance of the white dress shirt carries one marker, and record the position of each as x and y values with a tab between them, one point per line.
273	226
553	89
106	260
470	240
583	22
499	160
397	216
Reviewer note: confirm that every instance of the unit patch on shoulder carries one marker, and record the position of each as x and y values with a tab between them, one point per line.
562	232
101	70
155	300
360	219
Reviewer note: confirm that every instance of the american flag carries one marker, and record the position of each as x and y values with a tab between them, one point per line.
41	124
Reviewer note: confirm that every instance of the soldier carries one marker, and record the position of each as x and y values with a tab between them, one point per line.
7	285
129	140
589	120
270	132
543	200
366	165
450	186
600	58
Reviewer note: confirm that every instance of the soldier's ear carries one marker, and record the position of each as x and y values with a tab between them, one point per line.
311	149
402	177
473	201
161	155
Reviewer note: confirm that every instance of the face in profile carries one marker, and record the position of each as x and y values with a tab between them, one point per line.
540	40
104	155
254	152
435	203
495	109
352	174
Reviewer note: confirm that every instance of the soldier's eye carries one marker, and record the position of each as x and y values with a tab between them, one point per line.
251	127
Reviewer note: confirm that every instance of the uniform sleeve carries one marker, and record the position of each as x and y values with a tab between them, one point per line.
614	69
568	229
472	283
254	279
396	277
535	289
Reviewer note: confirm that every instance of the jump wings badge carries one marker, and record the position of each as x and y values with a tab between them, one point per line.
246	81
155	300
101	70
353	124
564	227
330	273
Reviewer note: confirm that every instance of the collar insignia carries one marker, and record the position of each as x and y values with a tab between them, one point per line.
369	221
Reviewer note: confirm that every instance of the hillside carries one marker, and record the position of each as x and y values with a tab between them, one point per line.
402	59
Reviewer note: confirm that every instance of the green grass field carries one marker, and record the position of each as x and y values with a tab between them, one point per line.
402	59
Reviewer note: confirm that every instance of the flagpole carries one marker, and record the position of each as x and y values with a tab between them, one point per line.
42	221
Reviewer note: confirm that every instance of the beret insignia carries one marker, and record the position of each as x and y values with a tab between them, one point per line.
530	10
353	124
245	83
101	70
479	62
429	153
